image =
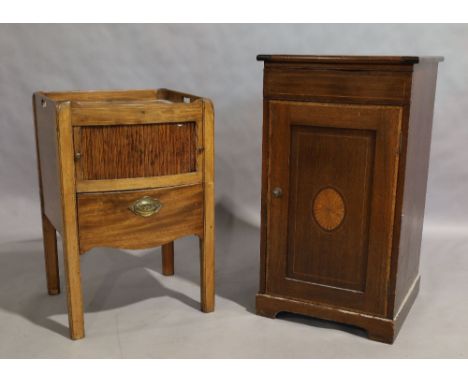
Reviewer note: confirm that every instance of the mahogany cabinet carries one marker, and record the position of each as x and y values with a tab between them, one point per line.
127	169
346	144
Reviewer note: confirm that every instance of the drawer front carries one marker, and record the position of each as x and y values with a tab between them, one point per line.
136	151
139	219
337	85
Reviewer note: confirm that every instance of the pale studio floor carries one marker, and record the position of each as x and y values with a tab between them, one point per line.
133	311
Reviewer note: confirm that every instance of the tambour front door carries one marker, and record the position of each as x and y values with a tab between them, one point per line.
331	194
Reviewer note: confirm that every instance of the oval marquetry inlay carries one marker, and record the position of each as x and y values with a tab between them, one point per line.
329	209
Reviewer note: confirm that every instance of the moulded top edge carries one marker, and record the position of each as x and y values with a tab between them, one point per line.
387	60
137	95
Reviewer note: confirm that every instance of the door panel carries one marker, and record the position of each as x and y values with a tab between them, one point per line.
329	234
331	180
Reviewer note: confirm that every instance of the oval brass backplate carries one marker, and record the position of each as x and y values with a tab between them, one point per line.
146	206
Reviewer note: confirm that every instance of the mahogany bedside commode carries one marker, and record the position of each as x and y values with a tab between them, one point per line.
345	161
127	169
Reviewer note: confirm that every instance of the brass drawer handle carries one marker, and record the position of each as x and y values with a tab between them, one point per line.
146	206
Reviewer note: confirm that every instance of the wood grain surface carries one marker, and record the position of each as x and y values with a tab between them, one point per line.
45	118
329	209
414	175
335	85
126	184
207	243
114	152
126	169
340	59
355	151
134	113
51	256
70	222
360	126
105	219
167	252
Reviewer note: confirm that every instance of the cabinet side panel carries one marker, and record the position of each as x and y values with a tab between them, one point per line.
416	172
46	141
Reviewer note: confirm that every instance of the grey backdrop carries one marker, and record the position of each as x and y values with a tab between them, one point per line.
134	311
216	61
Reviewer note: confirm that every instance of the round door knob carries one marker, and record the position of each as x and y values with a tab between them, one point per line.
277	192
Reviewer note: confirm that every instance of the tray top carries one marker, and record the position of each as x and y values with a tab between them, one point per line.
124	96
387	60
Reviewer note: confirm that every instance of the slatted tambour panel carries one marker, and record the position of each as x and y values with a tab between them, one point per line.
132	151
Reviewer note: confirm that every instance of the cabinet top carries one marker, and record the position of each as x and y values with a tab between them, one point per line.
387	60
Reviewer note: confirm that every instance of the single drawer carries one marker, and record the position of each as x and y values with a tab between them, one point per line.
139	219
337	85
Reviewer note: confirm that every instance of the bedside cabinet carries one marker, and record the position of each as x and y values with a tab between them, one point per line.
346	145
126	169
